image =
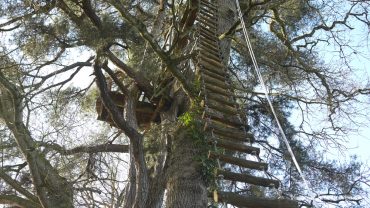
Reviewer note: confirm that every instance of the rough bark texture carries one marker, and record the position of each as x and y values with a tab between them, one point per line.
137	188
185	187
226	18
156	154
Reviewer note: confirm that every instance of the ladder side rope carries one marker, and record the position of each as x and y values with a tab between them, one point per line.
257	70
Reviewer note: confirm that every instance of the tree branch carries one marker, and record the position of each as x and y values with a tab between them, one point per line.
120	148
17	186
141	28
18	201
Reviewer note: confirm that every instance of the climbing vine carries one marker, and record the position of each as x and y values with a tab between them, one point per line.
193	122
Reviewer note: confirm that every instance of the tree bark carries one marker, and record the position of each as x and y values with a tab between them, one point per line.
185	187
137	188
226	18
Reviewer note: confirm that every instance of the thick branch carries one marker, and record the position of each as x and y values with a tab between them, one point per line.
17	186
136	139
18	201
88	149
141	28
45	177
112	108
140	80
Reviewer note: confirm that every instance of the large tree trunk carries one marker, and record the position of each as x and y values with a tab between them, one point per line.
185	187
226	18
183	178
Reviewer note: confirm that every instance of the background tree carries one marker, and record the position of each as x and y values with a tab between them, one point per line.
141	56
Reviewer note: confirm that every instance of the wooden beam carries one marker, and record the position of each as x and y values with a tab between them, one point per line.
254	202
239	162
246	178
236	146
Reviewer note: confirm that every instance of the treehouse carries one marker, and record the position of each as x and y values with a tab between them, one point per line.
145	111
225	130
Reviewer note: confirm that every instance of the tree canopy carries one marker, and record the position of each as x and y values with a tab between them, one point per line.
99	100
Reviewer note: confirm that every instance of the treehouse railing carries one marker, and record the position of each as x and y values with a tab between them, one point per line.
224	126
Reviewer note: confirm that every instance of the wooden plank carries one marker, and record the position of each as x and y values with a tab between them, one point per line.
216	82
209	37
236	136
223	129
210	56
208	31
213	56
208	45
214	75
210	42
246	178
217	89
236	146
208	14
230	111
212	26
222	99
231	120
251	201
212	61
205	42
229	133
208	5
209	67
212	94
203	47
239	162
208	18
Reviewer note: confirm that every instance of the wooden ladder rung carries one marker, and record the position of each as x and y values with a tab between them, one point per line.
231	120
214	46
208	24
207	48
214	75
223	97
208	19
229	111
208	31
236	146
210	80
246	178
236	136
214	69
225	131
209	42
237	200
208	14
210	55
239	162
216	89
212	61
208	4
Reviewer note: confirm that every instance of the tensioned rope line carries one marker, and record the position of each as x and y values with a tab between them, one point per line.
260	78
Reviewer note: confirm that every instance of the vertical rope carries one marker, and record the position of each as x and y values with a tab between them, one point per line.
262	82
